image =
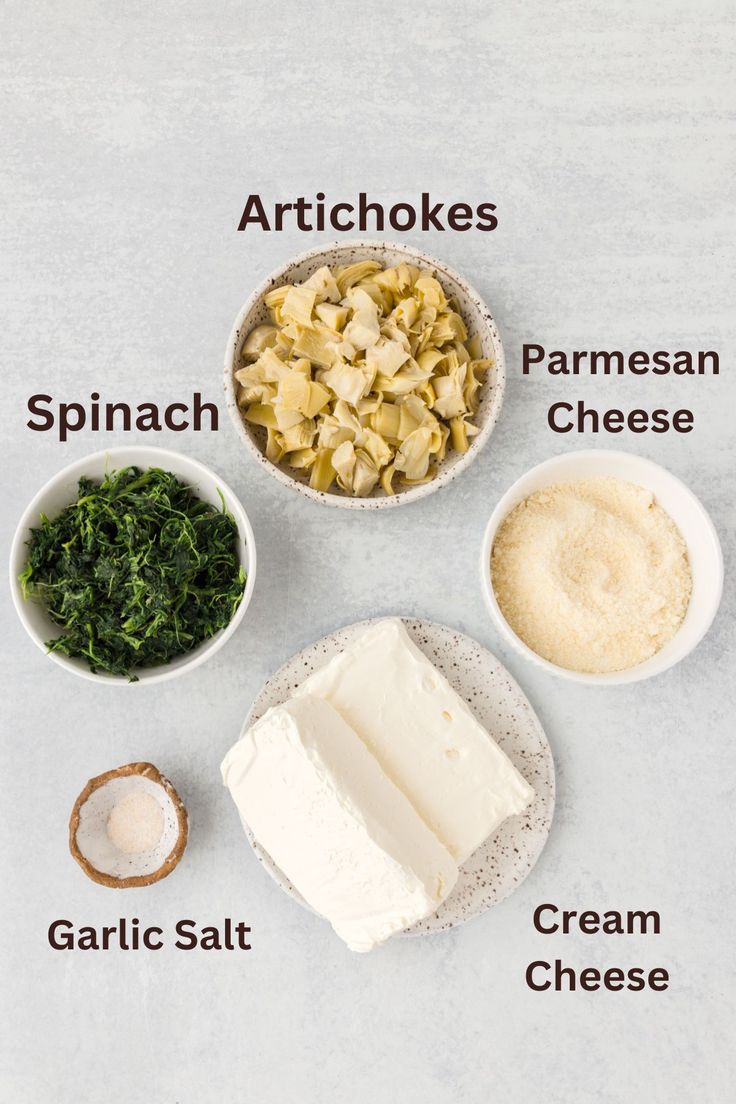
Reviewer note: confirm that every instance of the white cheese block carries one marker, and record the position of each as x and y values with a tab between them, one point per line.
424	736
343	834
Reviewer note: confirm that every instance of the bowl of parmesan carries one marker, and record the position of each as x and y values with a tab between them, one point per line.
364	374
602	567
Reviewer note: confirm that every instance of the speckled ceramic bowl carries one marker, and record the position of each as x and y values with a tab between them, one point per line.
477	319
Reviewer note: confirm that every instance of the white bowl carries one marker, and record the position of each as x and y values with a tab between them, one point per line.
688	514
61	490
477	318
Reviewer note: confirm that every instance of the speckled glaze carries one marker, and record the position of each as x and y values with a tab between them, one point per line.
478	320
496	868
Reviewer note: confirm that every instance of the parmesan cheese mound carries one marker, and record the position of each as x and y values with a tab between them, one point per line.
592	575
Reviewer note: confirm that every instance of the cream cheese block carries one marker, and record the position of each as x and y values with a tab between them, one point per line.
424	736
346	837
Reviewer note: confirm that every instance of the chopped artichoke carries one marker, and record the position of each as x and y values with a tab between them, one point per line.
428	476
386	479
365	474
323	283
450	401
299	436
302	458
389	281
366	373
275	297
301	364
332	434
317	344
474	347
261	415
269	368
459	432
386	357
386	421
405	313
296	392
363	329
298	305
260	338
448	327
472	384
255	392
274	446
348	275
379	297
349	382
430	292
412	456
347	417
376	447
322	475
334	317
428	359
343	461
287	419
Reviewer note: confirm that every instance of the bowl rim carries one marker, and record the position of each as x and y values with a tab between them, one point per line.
642	670
330	498
29	517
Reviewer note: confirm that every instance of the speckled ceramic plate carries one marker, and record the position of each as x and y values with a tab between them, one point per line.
477	318
504	860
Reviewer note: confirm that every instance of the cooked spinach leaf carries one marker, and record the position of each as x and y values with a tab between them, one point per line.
137	571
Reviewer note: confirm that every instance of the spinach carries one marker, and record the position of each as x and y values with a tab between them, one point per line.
137	571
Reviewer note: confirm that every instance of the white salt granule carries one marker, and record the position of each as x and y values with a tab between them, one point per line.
136	823
592	575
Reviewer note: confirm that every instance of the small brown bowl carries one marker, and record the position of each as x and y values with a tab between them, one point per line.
91	846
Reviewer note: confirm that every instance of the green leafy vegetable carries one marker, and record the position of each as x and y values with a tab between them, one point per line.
137	571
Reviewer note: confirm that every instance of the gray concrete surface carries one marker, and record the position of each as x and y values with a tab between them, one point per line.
132	136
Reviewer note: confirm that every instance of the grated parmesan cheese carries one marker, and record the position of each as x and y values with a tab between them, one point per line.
592	575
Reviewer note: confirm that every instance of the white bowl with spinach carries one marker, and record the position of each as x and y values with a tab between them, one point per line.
133	565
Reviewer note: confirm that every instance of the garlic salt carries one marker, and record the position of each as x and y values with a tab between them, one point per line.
136	823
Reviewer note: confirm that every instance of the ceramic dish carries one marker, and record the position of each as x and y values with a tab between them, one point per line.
704	552
95	852
62	489
499	865
477	319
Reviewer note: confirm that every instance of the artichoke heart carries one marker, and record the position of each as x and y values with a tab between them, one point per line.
322	475
348	275
333	316
316	344
296	392
412	457
299	436
261	414
450	401
365	375
386	357
343	461
324	285
365	474
298	306
348	382
262	337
